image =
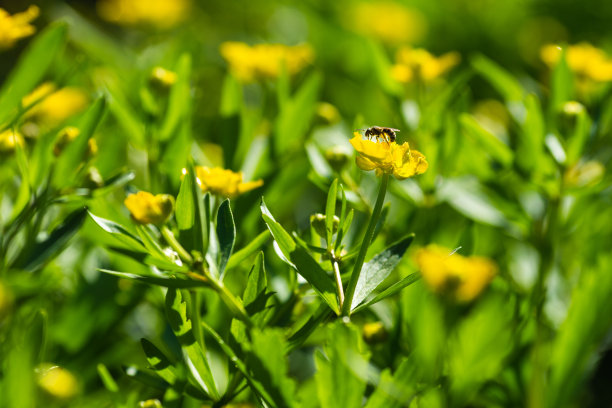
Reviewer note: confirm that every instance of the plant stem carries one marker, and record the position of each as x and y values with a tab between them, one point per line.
350	290
338	277
171	240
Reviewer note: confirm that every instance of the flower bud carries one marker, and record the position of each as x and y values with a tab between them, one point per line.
317	221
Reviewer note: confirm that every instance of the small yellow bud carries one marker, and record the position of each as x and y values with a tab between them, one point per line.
337	157
152	403
318	223
64	137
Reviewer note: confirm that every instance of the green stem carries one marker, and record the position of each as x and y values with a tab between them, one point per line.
231	302
338	277
171	240
350	290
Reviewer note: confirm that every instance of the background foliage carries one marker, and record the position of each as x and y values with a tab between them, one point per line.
518	152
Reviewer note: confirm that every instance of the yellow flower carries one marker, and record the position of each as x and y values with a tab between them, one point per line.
57	382
374	332
149	209
159	13
583	59
461	278
264	61
419	63
387	21
163	77
54	106
390	158
9	139
17	26
222	182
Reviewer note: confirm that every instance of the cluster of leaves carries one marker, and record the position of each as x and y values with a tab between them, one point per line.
229	303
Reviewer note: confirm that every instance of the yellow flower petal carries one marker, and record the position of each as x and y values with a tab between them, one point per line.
388	157
146	208
458	277
223	182
17	26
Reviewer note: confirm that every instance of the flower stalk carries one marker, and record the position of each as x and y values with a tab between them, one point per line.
367	239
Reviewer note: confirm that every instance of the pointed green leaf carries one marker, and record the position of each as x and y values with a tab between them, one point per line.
330	211
379	268
301	260
120	232
42	252
226	233
341	377
185	206
390	291
168	281
193	354
239	256
178	103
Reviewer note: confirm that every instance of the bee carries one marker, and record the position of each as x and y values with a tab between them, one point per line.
380	133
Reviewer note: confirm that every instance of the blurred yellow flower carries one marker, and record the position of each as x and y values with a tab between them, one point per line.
583	59
57	382
163	77
419	64
159	13
53	106
17	26
146	208
223	182
265	61
387	21
584	174
9	139
461	278
67	135
388	157
374	332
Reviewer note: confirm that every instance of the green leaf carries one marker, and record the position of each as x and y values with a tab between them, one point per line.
185	206
341	377
313	323
178	102
107	379
145	377
562	84
330	211
159	362
151	243
301	260
579	137
531	138
37	255
390	291
194	237
75	153
253	381
379	268
167	281
489	143
296	115
505	83
267	362
582	335
120	232
397	390
226	233
478	349
31	68
239	256
193	354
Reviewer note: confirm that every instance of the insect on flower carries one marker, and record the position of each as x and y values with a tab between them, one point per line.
380	133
